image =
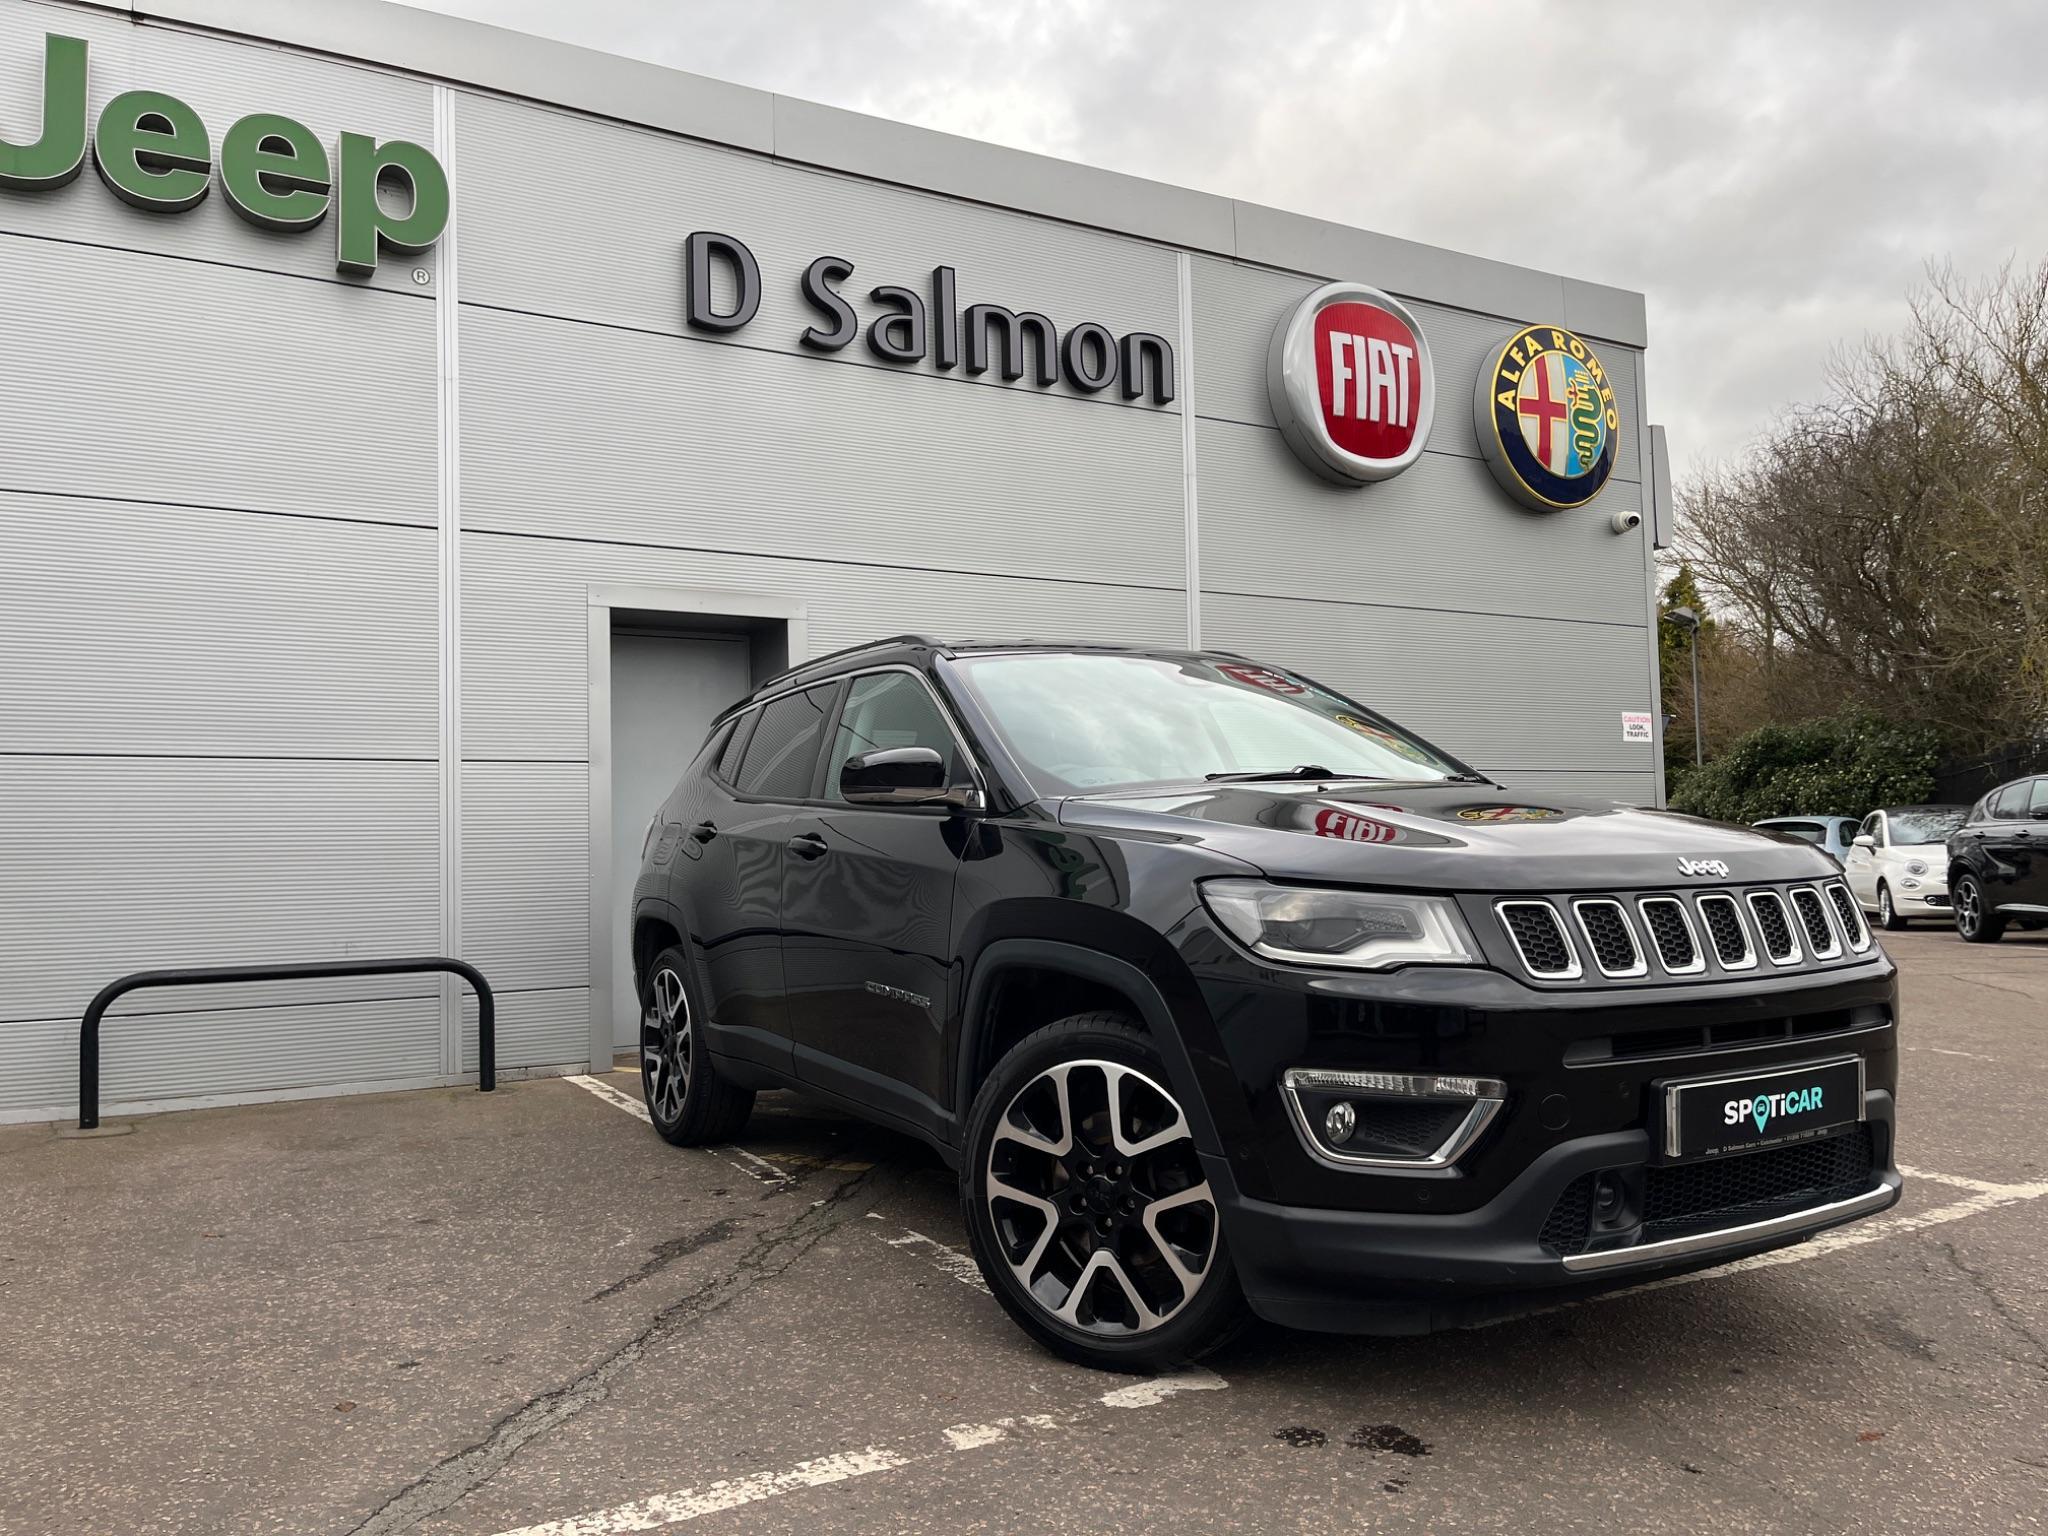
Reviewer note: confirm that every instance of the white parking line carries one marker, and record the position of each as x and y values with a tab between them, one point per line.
947	1261
1942	1050
738	1157
823	1471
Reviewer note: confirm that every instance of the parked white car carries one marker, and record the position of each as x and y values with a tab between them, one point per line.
1898	863
1829	832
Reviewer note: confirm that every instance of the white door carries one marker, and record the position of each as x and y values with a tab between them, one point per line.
665	691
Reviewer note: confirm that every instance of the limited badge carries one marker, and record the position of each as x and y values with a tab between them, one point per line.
1351	383
1547	421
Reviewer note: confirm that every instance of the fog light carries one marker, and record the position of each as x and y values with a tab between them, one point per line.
1340	1122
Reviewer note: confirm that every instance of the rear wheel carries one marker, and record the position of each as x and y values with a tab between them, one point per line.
1975	920
688	1100
1887	915
1087	1207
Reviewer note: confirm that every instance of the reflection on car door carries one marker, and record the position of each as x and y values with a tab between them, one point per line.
867	916
1861	864
2008	844
735	904
2030	854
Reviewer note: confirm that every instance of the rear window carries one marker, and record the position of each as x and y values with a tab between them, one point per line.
1805	831
781	756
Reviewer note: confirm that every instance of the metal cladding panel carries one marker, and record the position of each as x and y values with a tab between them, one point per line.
166	630
621	200
526	647
222	81
1625	788
239	1049
126	864
1506	695
547	1028
581	431
1236	309
1441	535
526	873
130	376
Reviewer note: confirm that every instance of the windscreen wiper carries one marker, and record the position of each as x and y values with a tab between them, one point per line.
1298	771
1470	778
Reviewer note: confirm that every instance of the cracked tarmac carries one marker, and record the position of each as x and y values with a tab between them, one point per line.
461	1315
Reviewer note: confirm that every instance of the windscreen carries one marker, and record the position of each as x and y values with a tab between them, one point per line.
1077	723
1929	826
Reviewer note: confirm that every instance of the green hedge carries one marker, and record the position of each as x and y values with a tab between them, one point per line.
1846	765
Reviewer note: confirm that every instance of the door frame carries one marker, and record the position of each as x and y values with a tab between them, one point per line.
683	603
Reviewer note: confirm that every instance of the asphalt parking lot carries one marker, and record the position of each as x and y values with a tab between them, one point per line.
450	1313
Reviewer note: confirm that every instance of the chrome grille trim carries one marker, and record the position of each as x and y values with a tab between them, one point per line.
1574	970
1758	900
1640	966
1849	915
1832	949
1692	934
1714	900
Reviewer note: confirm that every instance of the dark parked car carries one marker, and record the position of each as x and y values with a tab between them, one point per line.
1221	990
1998	862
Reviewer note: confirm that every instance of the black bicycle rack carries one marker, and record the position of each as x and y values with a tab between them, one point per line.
89	1026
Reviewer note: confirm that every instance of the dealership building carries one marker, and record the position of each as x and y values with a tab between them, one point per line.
416	431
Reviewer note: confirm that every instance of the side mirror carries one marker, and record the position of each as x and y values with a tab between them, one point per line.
2039	813
1863	840
898	776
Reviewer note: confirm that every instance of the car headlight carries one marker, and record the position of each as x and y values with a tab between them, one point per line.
1916	866
1364	930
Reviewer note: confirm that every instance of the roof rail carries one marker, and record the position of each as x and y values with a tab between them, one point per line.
814	662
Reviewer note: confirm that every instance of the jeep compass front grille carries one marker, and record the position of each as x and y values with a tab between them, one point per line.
1587	939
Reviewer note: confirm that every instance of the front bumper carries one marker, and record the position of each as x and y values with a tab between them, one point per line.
1354	1271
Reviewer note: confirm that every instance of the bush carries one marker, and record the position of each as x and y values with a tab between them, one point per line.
1845	765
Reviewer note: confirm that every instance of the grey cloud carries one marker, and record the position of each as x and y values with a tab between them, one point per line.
1772	176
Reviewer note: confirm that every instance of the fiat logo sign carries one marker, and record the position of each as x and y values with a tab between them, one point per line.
1351	383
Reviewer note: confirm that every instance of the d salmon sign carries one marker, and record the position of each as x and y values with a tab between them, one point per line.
1351	383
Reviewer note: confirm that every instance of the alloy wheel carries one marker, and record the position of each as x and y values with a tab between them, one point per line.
665	1045
1098	1200
1884	905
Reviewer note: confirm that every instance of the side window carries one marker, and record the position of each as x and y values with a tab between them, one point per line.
2011	803
782	754
729	754
889	709
1869	827
2038	805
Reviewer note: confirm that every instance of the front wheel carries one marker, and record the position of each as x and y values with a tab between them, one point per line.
688	1100
1975	920
1887	915
1087	1207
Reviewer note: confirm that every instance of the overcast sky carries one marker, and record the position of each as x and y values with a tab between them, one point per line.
1774	176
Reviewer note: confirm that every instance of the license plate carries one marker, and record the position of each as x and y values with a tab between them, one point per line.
1706	1117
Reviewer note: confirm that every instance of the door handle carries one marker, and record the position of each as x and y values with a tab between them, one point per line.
809	845
703	832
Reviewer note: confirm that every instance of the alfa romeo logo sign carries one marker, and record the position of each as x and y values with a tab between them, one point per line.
1547	422
1351	383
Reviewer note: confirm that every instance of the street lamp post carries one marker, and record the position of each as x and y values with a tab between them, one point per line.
1688	620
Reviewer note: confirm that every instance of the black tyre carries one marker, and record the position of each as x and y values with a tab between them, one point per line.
688	1101
1975	920
1887	915
1087	1207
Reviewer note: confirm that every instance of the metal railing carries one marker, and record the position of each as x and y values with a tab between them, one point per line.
89	1026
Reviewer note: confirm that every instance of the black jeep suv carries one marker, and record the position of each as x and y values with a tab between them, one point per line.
1221	989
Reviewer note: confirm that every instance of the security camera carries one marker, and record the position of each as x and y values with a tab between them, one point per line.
1625	522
